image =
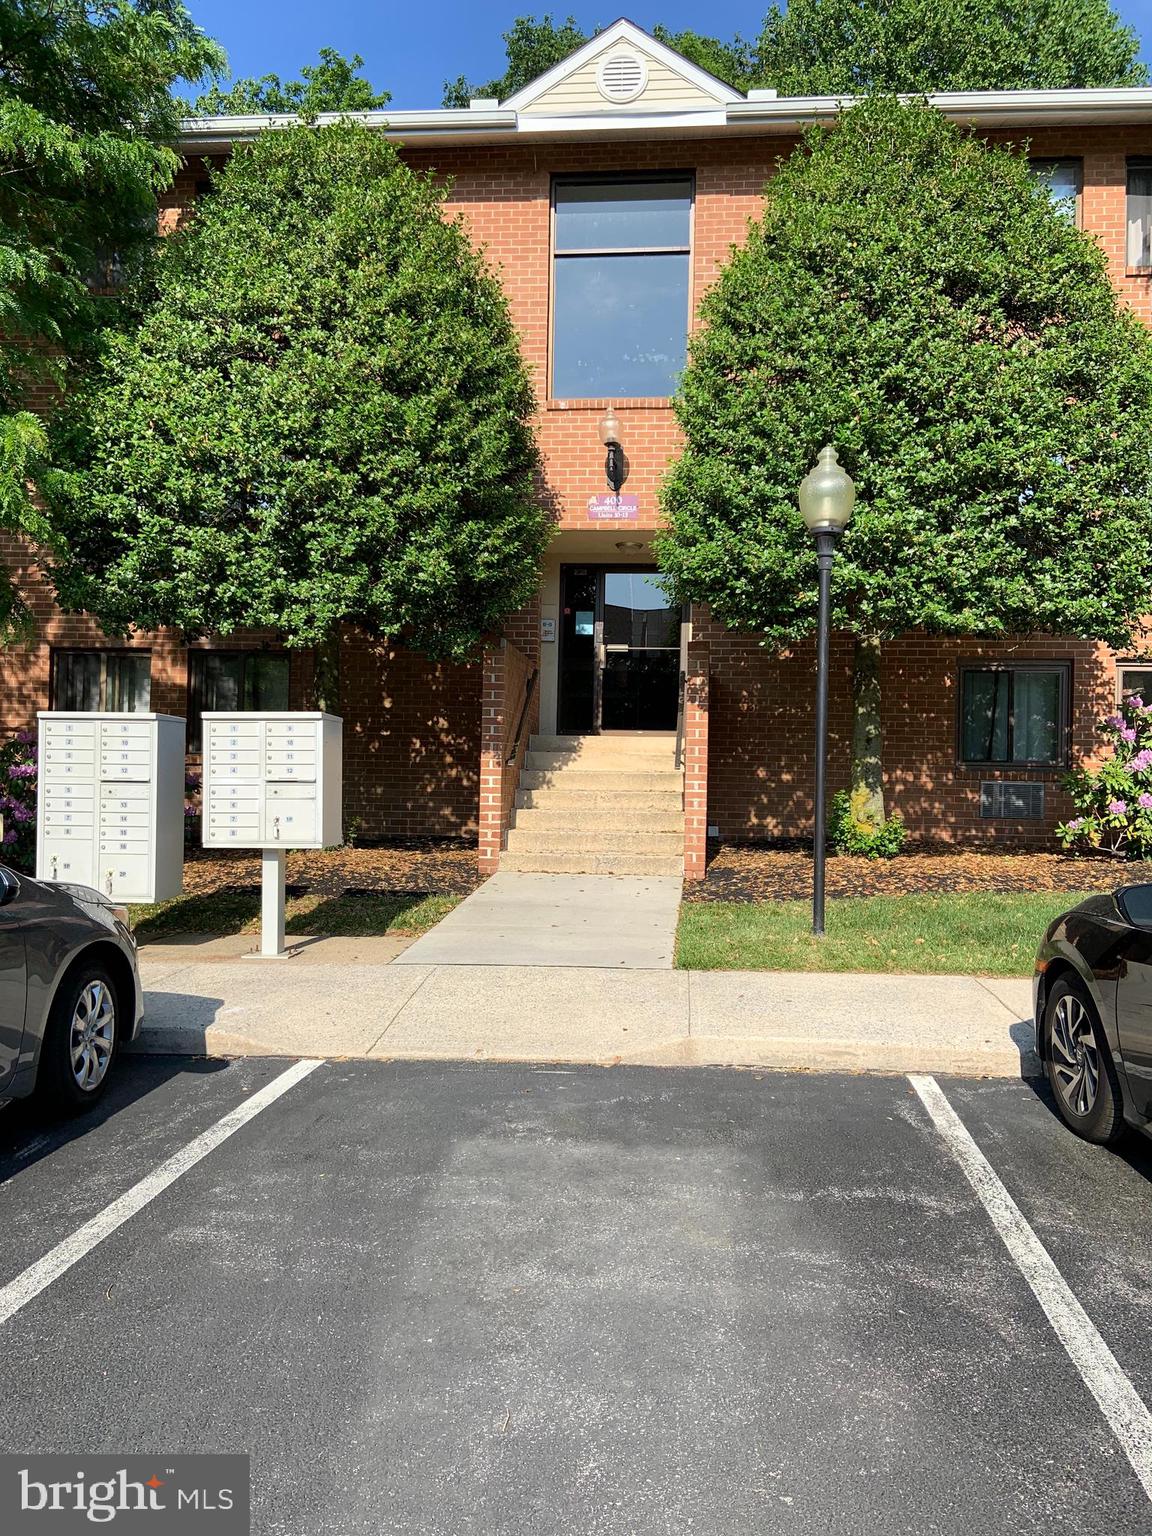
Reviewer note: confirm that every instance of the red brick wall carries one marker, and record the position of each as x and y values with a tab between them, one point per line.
413	728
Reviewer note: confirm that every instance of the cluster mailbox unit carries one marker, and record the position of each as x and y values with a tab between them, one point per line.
273	782
110	808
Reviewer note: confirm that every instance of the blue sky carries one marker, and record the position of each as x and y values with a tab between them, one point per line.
411	48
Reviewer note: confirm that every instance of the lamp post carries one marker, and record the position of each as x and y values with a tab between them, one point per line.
827	497
614	462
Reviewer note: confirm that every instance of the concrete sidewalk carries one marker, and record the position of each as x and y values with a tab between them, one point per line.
346	998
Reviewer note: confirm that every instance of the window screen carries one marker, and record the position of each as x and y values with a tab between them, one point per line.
102	680
1013	714
233	680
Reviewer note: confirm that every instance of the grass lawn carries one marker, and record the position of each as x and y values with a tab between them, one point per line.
226	911
982	933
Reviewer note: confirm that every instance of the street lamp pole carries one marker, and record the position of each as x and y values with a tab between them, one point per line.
827	497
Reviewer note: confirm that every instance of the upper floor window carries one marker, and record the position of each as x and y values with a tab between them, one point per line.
233	680
1064	180
101	680
1139	213
1014	714
620	286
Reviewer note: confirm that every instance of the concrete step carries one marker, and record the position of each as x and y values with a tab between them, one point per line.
601	780
570	821
600	762
592	746
593	863
527	838
595	802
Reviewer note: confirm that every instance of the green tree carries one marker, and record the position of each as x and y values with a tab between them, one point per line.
735	63
332	85
86	117
912	296
834	47
322	419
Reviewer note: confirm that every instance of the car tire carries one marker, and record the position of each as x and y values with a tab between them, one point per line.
81	1039
1081	1072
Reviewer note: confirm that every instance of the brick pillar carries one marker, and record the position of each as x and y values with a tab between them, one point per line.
696	690
493	707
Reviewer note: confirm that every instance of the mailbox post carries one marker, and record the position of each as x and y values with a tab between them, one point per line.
272	781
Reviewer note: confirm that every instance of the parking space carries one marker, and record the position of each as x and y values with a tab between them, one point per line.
440	1297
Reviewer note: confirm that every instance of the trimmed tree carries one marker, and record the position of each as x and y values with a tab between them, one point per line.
323	418
913	296
86	120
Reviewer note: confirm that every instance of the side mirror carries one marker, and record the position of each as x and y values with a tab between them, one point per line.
9	886
1135	903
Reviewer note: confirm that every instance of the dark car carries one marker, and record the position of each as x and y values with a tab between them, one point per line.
1093	996
69	989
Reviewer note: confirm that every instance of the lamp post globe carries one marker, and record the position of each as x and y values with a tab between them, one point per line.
827	496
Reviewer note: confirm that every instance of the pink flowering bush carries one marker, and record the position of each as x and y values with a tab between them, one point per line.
18	801
1114	801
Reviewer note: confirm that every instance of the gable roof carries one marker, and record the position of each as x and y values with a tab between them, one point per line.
620	35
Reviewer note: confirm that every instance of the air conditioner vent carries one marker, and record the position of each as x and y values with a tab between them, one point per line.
622	76
1010	801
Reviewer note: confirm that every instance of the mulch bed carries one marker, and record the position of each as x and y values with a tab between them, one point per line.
427	866
785	874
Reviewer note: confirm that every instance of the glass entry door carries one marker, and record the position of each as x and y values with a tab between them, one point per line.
619	651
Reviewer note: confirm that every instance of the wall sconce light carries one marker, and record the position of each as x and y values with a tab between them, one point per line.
614	463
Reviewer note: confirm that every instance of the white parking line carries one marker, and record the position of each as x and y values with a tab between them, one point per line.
1118	1400
31	1281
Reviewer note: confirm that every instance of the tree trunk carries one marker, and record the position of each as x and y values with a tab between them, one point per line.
326	677
867	794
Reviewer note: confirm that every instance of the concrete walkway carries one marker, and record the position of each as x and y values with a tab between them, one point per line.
342	1001
608	922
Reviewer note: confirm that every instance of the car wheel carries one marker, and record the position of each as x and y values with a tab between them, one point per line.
1080	1067
80	1040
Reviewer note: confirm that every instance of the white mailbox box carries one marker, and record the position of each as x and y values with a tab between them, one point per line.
272	780
110	810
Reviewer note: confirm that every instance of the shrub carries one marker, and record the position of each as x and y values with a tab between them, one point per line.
18	800
871	840
1114	802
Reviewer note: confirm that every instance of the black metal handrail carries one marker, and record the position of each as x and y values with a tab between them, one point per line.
529	690
680	722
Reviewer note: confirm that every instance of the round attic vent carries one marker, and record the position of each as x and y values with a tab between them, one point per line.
621	76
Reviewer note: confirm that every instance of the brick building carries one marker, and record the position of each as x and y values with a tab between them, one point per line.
607	193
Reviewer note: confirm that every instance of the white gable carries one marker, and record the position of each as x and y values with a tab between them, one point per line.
622	70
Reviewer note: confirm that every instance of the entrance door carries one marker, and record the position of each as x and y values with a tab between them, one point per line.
619	651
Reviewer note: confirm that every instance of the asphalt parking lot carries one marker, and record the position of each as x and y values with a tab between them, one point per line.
435	1299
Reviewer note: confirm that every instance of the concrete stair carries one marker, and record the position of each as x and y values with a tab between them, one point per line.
598	805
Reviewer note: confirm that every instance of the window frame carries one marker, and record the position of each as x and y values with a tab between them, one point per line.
1057	764
611	179
1130	666
1134	163
194	707
58	652
1035	164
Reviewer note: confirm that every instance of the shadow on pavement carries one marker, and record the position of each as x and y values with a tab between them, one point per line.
31	1130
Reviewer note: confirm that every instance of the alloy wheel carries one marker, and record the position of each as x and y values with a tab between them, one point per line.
1075	1056
92	1036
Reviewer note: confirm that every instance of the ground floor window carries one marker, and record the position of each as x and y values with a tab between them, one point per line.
101	680
1014	714
1134	680
233	680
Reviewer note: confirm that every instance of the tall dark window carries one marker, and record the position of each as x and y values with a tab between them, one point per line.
1139	244
1064	180
1014	714
620	289
101	680
233	680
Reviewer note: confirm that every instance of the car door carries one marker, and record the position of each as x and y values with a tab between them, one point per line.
1134	993
13	974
